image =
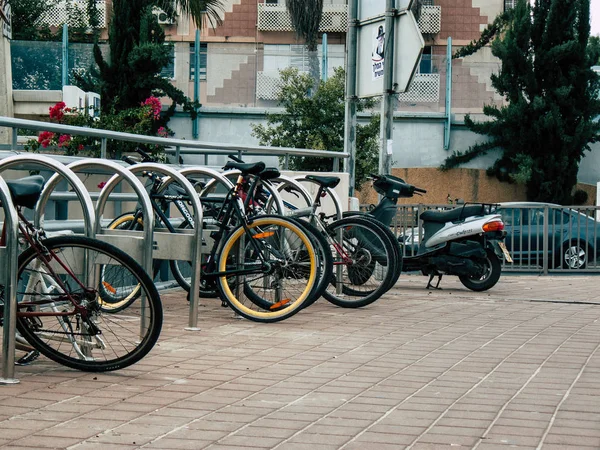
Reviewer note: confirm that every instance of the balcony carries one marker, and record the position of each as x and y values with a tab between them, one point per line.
273	17
430	19
67	11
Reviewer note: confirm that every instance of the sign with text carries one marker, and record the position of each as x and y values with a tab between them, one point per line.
408	47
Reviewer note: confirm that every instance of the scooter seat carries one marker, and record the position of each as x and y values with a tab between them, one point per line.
326	182
453	214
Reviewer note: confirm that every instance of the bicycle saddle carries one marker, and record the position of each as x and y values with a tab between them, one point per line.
269	173
453	214
246	168
326	182
26	191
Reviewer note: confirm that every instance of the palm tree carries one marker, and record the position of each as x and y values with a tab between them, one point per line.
306	19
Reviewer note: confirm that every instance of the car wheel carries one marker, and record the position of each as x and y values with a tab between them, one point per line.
574	255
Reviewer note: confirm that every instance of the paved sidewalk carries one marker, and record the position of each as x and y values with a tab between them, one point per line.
516	367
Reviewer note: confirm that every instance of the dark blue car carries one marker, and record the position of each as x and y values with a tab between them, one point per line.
573	236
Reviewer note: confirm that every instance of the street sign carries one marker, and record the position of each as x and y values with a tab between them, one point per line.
374	8
408	47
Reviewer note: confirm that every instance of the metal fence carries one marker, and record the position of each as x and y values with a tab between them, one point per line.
541	238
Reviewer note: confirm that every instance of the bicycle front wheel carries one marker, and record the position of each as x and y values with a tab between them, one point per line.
269	269
60	305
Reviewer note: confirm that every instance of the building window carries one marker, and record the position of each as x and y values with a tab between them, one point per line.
509	4
169	70
203	53
426	2
426	65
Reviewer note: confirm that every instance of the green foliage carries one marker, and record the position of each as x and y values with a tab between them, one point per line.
594	49
138	53
316	121
552	98
27	14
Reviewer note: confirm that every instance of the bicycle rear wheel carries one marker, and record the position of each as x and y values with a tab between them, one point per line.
84	337
272	269
364	263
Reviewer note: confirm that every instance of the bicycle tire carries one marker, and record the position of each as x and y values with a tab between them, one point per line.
392	237
292	269
369	273
116	340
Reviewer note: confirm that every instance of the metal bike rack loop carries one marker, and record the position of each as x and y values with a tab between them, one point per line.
183	246
10	305
9	256
59	168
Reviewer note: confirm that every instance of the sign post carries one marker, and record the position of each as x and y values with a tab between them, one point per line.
388	46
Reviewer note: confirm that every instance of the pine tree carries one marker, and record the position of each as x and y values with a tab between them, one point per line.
551	94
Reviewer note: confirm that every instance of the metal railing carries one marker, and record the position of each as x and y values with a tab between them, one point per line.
176	147
541	238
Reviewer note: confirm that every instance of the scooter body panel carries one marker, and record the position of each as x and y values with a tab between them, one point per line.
452	231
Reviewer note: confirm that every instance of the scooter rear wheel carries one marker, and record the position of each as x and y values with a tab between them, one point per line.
493	267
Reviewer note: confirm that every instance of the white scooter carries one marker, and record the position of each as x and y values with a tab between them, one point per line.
465	241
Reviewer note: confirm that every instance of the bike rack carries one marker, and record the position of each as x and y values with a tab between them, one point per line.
10	318
9	256
184	245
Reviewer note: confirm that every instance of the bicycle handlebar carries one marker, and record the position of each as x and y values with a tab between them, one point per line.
236	159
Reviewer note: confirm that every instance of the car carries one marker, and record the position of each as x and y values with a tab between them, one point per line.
573	235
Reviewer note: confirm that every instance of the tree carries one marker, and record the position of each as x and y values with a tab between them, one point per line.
317	122
306	19
551	97
594	49
25	20
138	53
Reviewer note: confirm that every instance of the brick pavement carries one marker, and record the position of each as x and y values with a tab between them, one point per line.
516	367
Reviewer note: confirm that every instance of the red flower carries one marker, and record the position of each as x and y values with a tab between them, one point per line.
101	184
64	140
162	132
155	106
57	111
80	147
45	138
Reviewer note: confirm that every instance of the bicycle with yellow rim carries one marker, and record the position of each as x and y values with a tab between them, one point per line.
264	268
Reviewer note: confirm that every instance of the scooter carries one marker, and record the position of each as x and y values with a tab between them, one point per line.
465	241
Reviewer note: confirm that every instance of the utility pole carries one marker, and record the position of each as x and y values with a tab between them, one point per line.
351	99
387	103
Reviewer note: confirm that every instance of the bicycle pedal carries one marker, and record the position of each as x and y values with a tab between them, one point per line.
28	358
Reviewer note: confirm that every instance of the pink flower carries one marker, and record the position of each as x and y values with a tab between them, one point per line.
162	132
57	111
64	140
45	138
155	106
101	184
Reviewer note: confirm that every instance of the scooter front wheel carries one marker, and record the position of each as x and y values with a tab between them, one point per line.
490	277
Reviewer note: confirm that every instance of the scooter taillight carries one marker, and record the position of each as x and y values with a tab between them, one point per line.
496	225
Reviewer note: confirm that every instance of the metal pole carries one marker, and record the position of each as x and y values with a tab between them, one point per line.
387	116
65	55
196	122
324	58
448	94
351	99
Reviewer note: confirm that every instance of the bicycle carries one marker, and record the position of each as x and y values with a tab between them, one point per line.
63	282
363	253
264	268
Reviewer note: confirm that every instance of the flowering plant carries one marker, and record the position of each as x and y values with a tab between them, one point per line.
145	120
